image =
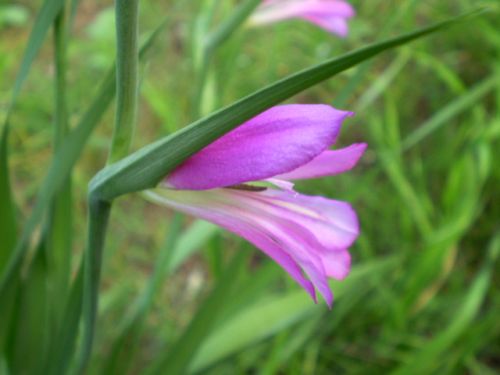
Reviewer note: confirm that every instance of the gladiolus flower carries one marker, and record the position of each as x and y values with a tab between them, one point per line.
331	15
242	182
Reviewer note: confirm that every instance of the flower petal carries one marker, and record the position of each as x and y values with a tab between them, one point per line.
328	163
335	25
277	141
295	230
230	219
333	223
328	14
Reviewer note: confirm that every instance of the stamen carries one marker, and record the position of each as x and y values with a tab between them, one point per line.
246	187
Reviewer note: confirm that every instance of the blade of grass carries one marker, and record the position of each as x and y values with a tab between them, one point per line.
64	160
8	225
179	357
459	105
59	231
146	167
44	20
65	339
264	319
426	360
127	340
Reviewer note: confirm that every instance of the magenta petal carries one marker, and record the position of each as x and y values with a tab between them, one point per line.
328	163
337	265
230	219
331	15
335	25
333	223
295	230
277	141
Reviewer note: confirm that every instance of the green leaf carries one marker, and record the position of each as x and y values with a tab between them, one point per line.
8	227
442	117
63	161
426	359
31	325
145	168
264	319
127	341
44	20
178	358
59	228
64	343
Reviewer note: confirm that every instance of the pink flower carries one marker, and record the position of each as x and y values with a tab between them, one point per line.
241	182
331	15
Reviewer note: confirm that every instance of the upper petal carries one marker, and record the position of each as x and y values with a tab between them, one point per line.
277	141
328	163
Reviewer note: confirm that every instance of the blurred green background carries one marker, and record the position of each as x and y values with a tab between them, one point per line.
423	296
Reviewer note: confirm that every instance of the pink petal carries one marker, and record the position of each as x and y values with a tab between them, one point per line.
335	25
295	230
328	14
230	219
328	163
277	141
333	223
338	264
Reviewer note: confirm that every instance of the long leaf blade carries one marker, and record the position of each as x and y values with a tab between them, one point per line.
7	213
145	168
64	160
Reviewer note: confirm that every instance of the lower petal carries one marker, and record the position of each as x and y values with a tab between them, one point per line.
297	231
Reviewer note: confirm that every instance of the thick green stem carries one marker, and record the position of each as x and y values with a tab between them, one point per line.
126	77
96	231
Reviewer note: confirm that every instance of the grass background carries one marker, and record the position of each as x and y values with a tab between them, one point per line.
423	297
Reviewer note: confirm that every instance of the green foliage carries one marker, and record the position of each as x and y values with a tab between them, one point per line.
422	295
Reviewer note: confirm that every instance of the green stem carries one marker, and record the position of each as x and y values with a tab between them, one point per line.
99	212
126	77
206	46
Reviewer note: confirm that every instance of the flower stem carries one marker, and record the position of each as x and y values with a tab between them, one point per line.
126	78
99	212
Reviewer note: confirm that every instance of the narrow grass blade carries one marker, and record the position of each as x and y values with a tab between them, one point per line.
127	61
462	103
190	241
427	359
127	340
31	325
59	229
45	19
179	357
64	160
8	226
228	27
145	168
262	320
64	342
